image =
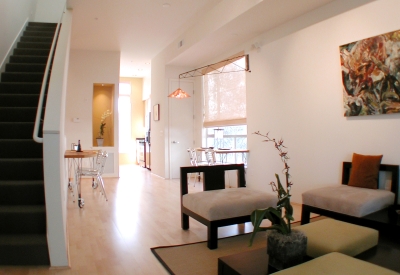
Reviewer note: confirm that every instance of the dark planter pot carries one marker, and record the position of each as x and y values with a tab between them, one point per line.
286	250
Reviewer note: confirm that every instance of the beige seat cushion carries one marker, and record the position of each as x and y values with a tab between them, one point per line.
336	263
352	201
328	235
227	203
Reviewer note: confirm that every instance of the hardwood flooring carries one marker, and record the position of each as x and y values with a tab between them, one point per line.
115	236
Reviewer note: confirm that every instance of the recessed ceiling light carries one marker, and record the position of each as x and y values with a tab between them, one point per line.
166	5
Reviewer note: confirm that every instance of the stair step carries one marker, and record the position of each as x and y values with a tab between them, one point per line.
20	88
23	239
24	250
36	39
28	59
18	114
20	148
39	33
35	52
33	45
40	28
23	192
24	67
22	219
42	24
16	130
22	77
21	169
19	100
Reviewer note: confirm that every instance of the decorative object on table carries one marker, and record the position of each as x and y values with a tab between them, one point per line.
156	112
78	147
74	147
100	137
285	247
370	75
100	142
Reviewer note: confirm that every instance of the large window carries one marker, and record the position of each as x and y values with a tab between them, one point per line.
229	137
225	108
124	116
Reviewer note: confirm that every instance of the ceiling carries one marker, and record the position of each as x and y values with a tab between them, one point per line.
140	29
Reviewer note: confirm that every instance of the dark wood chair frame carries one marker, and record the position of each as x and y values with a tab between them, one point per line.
213	179
372	220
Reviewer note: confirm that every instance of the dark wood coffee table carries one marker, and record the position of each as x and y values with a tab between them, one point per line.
254	262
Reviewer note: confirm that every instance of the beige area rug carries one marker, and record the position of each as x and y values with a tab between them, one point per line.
196	258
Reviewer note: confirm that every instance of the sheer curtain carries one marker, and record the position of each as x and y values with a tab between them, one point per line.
225	96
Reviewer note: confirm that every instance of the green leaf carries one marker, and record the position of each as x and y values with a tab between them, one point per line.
274	216
257	216
281	190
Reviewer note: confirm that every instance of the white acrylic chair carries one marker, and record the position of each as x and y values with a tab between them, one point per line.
192	163
96	163
96	171
195	161
211	157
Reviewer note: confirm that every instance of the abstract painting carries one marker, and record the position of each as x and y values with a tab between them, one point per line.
371	75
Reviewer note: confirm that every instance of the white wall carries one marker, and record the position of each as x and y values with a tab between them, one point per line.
13	17
158	136
146	88
85	69
49	10
295	92
53	150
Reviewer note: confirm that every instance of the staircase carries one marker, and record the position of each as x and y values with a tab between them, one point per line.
22	202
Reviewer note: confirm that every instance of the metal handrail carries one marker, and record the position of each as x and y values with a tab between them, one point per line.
44	86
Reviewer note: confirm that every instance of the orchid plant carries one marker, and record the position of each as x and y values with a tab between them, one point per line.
281	220
106	114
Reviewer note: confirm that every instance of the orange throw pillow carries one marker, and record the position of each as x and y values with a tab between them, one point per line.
365	171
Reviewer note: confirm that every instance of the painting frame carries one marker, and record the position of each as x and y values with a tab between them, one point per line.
156	112
371	75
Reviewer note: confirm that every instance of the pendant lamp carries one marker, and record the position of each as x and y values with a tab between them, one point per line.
179	93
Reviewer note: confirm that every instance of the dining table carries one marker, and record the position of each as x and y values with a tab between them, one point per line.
75	163
223	153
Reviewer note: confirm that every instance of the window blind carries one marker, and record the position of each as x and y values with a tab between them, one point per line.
225	96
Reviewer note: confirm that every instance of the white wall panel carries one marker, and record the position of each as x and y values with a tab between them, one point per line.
295	92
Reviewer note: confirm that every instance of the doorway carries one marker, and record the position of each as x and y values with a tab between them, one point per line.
181	125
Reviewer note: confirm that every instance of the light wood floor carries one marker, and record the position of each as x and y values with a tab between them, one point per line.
115	236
